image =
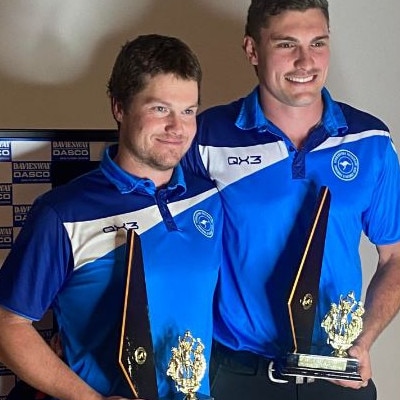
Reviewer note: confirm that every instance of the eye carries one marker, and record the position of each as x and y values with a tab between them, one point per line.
285	45
319	43
160	109
189	111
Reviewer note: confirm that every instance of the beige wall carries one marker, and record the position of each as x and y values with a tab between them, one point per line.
56	56
55	61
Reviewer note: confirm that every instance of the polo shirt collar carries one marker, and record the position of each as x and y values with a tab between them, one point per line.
126	182
251	115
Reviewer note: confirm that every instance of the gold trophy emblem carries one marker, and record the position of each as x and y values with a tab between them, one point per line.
343	324
187	365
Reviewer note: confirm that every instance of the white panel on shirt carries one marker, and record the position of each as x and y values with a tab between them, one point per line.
227	165
334	141
90	242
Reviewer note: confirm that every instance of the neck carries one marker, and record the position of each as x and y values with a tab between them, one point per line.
295	122
160	178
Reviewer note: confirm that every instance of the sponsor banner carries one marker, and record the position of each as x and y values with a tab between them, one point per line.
5	194
70	150
31	163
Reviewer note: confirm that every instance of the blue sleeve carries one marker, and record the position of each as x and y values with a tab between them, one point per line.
37	265
381	220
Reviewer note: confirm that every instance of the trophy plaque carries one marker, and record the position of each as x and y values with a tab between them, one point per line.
342	323
136	357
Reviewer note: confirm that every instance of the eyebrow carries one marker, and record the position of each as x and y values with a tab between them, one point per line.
166	103
293	39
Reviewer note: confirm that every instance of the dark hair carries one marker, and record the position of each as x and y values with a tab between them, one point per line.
147	56
260	11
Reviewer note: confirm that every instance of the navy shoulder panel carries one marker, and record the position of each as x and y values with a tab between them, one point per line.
217	127
361	121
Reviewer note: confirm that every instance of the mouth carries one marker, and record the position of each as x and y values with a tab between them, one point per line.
174	141
300	79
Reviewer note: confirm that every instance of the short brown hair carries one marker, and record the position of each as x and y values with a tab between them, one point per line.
260	11
147	56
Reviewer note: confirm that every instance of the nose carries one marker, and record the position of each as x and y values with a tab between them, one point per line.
174	124
304	58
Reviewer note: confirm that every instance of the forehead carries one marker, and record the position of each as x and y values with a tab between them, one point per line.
172	87
293	23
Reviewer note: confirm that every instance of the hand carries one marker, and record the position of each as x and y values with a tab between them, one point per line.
362	354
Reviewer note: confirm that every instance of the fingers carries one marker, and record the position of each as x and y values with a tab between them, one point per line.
365	370
351	384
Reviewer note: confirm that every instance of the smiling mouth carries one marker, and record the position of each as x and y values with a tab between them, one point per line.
171	141
300	79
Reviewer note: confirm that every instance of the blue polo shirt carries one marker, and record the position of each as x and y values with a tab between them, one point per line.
70	256
269	189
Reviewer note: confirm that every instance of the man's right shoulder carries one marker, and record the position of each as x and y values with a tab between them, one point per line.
229	110
219	118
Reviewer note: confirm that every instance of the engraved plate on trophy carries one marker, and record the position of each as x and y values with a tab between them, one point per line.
302	310
187	367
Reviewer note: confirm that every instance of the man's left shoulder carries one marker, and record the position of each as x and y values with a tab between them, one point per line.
359	120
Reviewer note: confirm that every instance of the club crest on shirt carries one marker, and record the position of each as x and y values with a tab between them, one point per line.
345	165
204	222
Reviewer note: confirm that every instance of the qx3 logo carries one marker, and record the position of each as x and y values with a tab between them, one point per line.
247	160
125	225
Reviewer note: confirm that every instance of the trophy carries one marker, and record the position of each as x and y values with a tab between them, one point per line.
343	323
136	357
187	365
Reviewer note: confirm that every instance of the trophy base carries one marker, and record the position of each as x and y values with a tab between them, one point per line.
320	367
182	396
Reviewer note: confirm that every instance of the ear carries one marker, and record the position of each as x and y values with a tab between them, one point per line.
249	47
117	110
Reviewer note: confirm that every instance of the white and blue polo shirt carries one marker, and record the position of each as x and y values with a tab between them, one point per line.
269	189
70	256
